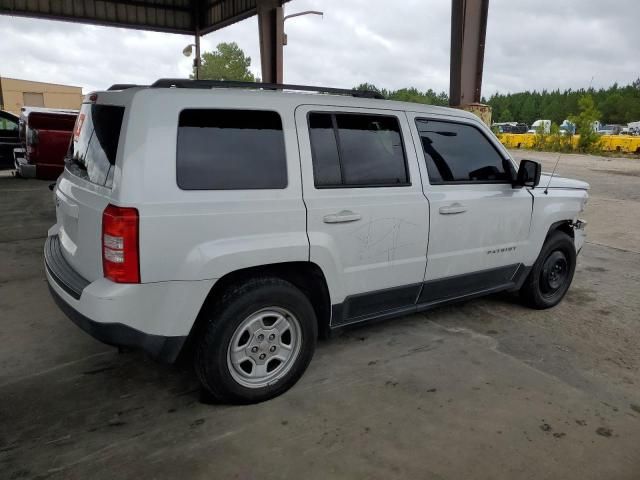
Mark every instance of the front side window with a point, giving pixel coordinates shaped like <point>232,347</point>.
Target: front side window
<point>357,150</point>
<point>460,153</point>
<point>230,150</point>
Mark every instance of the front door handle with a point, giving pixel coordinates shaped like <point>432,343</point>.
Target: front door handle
<point>342,217</point>
<point>453,209</point>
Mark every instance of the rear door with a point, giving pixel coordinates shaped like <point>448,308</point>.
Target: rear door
<point>84,190</point>
<point>367,218</point>
<point>479,222</point>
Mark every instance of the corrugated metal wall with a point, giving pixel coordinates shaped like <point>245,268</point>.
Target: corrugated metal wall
<point>177,16</point>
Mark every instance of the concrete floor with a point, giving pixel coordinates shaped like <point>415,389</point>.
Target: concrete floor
<point>484,389</point>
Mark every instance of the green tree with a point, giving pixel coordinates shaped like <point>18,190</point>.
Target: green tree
<point>227,62</point>
<point>589,139</point>
<point>370,87</point>
<point>529,112</point>
<point>410,94</point>
<point>505,115</point>
<point>614,108</point>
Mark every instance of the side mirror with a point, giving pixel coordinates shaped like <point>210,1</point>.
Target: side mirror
<point>528,174</point>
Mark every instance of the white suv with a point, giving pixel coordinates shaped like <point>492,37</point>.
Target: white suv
<point>246,222</point>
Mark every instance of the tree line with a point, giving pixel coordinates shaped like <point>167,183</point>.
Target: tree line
<point>616,104</point>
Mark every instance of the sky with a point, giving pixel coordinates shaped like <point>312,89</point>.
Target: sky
<point>531,44</point>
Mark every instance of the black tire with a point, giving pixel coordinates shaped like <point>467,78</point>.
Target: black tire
<point>225,318</point>
<point>552,273</point>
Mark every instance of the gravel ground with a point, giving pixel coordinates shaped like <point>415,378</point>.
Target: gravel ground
<point>483,389</point>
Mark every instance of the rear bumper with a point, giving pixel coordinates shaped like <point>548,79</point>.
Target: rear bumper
<point>163,349</point>
<point>23,168</point>
<point>154,317</point>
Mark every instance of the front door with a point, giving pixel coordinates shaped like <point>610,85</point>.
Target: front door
<point>479,222</point>
<point>367,217</point>
<point>8,138</point>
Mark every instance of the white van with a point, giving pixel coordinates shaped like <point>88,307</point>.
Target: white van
<point>540,126</point>
<point>247,221</point>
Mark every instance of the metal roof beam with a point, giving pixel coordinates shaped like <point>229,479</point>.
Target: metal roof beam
<point>468,32</point>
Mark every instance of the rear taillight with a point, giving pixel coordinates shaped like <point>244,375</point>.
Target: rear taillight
<point>120,258</point>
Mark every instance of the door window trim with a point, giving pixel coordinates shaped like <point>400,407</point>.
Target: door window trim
<point>464,182</point>
<point>334,124</point>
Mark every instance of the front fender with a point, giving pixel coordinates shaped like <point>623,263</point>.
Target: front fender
<point>559,205</point>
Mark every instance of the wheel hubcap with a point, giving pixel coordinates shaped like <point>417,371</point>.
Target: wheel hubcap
<point>264,347</point>
<point>555,271</point>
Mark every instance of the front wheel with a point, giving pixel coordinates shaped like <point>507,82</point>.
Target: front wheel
<point>258,342</point>
<point>552,273</point>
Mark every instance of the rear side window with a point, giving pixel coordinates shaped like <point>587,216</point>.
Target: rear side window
<point>458,153</point>
<point>357,150</point>
<point>230,150</point>
<point>93,148</point>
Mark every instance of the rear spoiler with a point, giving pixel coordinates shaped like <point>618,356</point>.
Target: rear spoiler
<point>124,86</point>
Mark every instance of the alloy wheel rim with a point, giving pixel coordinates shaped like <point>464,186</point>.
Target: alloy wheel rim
<point>264,347</point>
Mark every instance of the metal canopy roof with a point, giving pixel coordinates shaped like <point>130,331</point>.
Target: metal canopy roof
<point>173,16</point>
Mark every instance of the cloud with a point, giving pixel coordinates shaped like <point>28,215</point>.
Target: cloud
<point>531,44</point>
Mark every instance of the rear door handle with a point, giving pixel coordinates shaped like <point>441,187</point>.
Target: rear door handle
<point>453,209</point>
<point>342,217</point>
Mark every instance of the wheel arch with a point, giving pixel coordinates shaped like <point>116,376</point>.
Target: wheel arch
<point>307,276</point>
<point>562,226</point>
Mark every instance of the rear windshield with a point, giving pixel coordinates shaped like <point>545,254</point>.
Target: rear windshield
<point>92,152</point>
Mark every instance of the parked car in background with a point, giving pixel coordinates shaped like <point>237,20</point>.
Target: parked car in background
<point>45,135</point>
<point>502,127</point>
<point>241,223</point>
<point>567,128</point>
<point>520,128</point>
<point>610,130</point>
<point>9,138</point>
<point>543,125</point>
<point>509,127</point>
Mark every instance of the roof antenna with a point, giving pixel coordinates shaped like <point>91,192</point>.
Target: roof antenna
<point>546,190</point>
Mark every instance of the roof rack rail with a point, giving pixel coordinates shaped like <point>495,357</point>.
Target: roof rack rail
<point>186,83</point>
<point>123,86</point>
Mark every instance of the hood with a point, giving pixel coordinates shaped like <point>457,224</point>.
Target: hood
<point>561,182</point>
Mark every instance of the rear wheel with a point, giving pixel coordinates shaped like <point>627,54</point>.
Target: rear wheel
<point>552,273</point>
<point>258,342</point>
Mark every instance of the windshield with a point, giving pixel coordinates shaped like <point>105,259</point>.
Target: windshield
<point>93,148</point>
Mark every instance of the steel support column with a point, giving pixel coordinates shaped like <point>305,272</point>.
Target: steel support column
<point>468,32</point>
<point>270,26</point>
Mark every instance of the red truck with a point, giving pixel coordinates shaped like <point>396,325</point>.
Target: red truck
<point>45,134</point>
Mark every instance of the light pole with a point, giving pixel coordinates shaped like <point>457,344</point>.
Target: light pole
<point>306,12</point>
<point>188,50</point>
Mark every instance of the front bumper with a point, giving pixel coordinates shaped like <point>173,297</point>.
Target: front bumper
<point>579,234</point>
<point>154,317</point>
